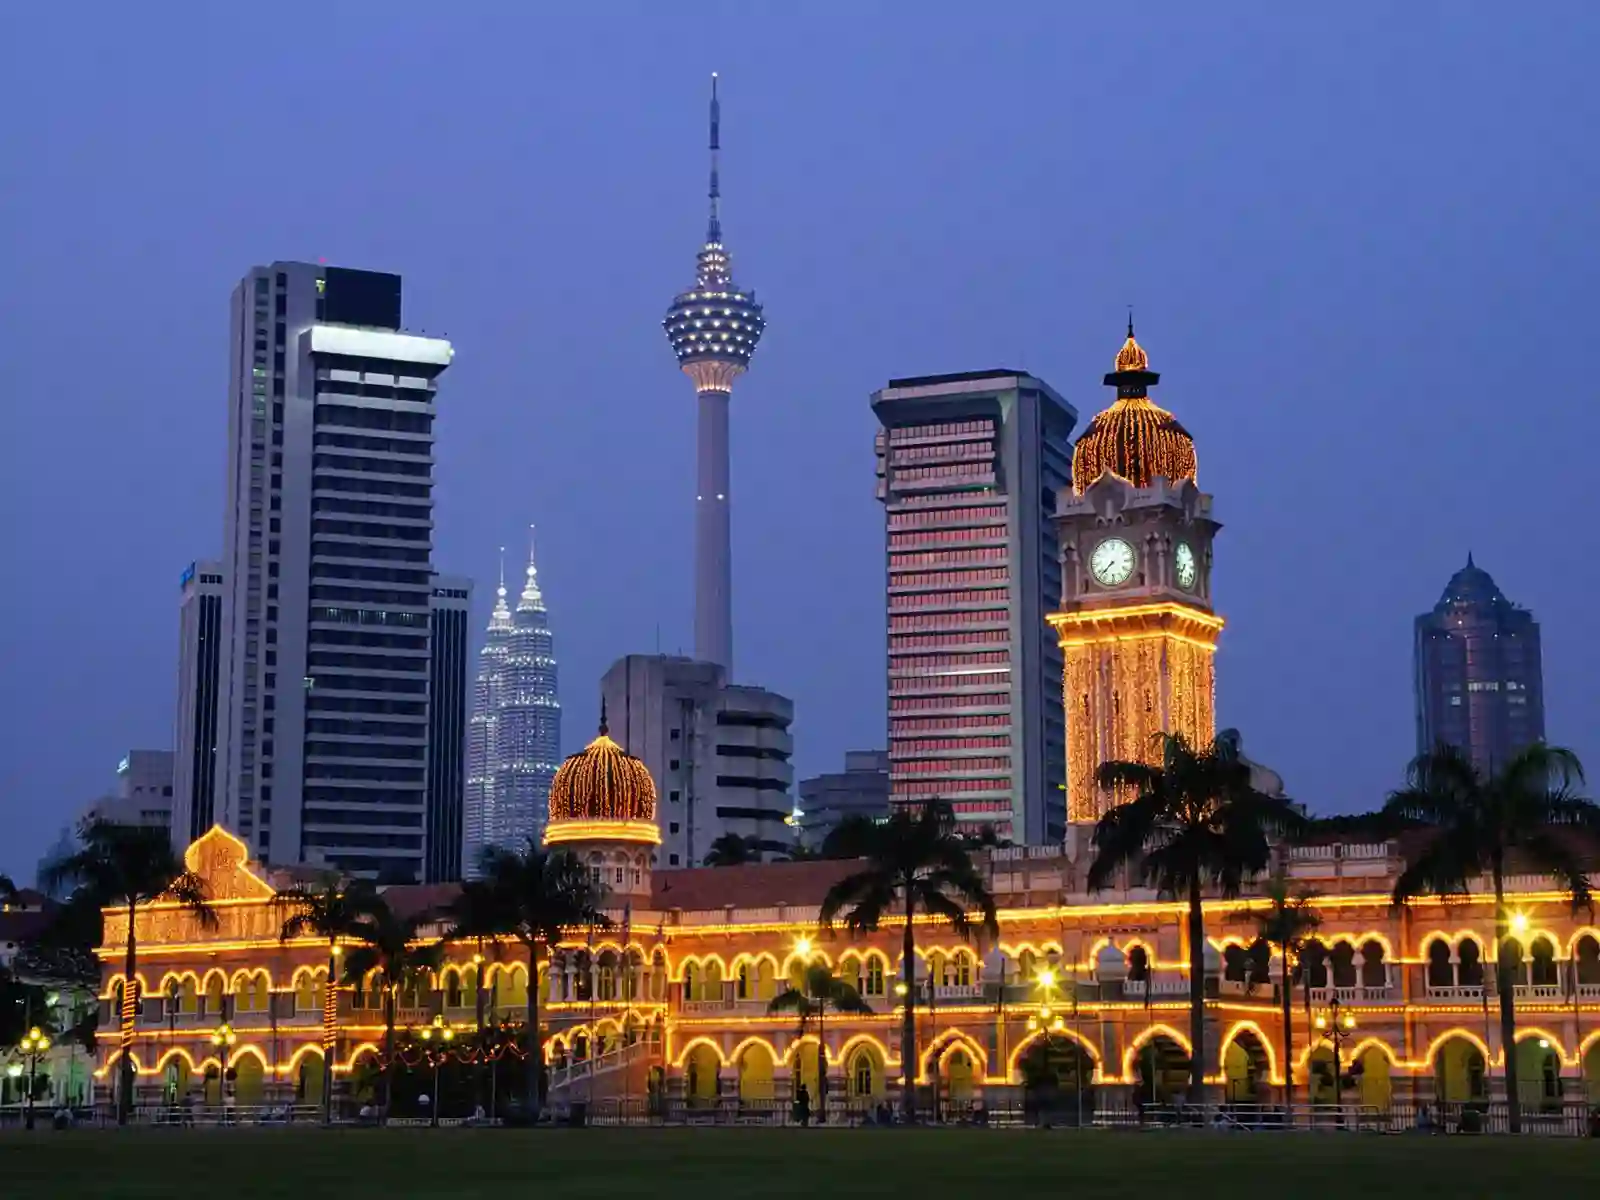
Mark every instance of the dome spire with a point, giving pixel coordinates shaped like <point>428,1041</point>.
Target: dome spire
<point>605,726</point>
<point>500,618</point>
<point>714,228</point>
<point>531,597</point>
<point>1135,438</point>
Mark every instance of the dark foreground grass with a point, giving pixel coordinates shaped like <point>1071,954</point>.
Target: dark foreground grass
<point>730,1164</point>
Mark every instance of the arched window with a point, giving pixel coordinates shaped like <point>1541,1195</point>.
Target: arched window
<point>1374,974</point>
<point>742,985</point>
<point>1516,962</point>
<point>691,980</point>
<point>1138,964</point>
<point>1314,964</point>
<point>1343,960</point>
<point>1587,953</point>
<point>963,970</point>
<point>1469,957</point>
<point>1543,966</point>
<point>874,976</point>
<point>452,989</point>
<point>1441,971</point>
<point>861,1074</point>
<point>1236,963</point>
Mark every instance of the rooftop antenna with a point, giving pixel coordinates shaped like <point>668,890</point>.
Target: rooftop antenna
<point>714,230</point>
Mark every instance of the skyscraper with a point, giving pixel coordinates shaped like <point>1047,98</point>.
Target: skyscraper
<point>1137,630</point>
<point>328,567</point>
<point>447,727</point>
<point>1479,672</point>
<point>968,470</point>
<point>194,739</point>
<point>713,328</point>
<point>514,741</point>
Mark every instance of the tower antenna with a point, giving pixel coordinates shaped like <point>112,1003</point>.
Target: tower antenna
<point>714,229</point>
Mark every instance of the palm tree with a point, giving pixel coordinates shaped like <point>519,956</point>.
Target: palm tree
<point>390,945</point>
<point>731,850</point>
<point>915,861</point>
<point>545,893</point>
<point>331,910</point>
<point>819,988</point>
<point>1478,820</point>
<point>124,866</point>
<point>480,913</point>
<point>1194,820</point>
<point>1287,923</point>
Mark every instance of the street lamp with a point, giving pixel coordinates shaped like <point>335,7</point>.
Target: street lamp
<point>33,1044</point>
<point>1335,1025</point>
<point>223,1038</point>
<point>444,1035</point>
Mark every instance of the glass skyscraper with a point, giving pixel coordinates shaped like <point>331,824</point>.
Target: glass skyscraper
<point>514,736</point>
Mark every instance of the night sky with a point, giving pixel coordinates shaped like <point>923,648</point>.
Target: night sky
<point>1360,243</point>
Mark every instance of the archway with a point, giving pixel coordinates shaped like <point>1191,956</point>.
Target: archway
<point>958,1081</point>
<point>701,1076</point>
<point>308,1079</point>
<point>1538,1073</point>
<point>1459,1072</point>
<point>864,1077</point>
<point>1246,1069</point>
<point>1319,1075</point>
<point>1591,1071</point>
<point>1057,1080</point>
<point>1163,1070</point>
<point>755,1064</point>
<point>1375,1086</point>
<point>249,1081</point>
<point>803,1067</point>
<point>175,1080</point>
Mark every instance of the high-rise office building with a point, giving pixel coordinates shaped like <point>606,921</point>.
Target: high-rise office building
<point>1479,672</point>
<point>194,740</point>
<point>713,328</point>
<point>143,794</point>
<point>328,568</point>
<point>968,470</point>
<point>514,741</point>
<point>720,753</point>
<point>447,727</point>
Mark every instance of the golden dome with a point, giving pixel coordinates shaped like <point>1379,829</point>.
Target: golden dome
<point>603,793</point>
<point>1132,356</point>
<point>1134,438</point>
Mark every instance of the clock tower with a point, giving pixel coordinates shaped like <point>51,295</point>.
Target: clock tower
<point>1136,626</point>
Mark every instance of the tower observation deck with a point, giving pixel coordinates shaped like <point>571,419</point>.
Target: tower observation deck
<point>714,328</point>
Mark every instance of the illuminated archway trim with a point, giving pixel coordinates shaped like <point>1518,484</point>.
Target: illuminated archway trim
<point>695,1043</point>
<point>941,1047</point>
<point>737,1054</point>
<point>1143,1038</point>
<point>1441,1040</point>
<point>1067,1034</point>
<point>856,1041</point>
<point>1536,1031</point>
<point>1274,1070</point>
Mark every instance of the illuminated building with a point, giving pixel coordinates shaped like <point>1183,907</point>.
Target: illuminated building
<point>1479,672</point>
<point>672,1001</point>
<point>714,328</point>
<point>194,782</point>
<point>968,469</point>
<point>1136,626</point>
<point>143,793</point>
<point>514,744</point>
<point>722,752</point>
<point>326,613</point>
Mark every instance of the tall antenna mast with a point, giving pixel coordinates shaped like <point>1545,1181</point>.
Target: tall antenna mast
<point>714,230</point>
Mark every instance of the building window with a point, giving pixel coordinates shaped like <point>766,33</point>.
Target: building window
<point>672,859</point>
<point>673,765</point>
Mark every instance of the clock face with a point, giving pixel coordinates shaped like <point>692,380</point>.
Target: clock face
<point>1184,560</point>
<point>1112,562</point>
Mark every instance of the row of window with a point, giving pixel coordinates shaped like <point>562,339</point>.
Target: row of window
<point>950,537</point>
<point>945,558</point>
<point>932,599</point>
<point>905,746</point>
<point>948,641</point>
<point>947,703</point>
<point>945,579</point>
<point>950,787</point>
<point>905,725</point>
<point>922,662</point>
<point>943,452</point>
<point>975,472</point>
<point>948,429</point>
<point>948,514</point>
<point>946,766</point>
<point>955,620</point>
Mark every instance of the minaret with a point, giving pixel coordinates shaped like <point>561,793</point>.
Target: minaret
<point>713,328</point>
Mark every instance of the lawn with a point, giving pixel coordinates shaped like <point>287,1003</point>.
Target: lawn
<point>313,1164</point>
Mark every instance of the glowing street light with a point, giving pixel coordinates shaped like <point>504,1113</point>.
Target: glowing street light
<point>223,1038</point>
<point>34,1043</point>
<point>444,1035</point>
<point>1335,1025</point>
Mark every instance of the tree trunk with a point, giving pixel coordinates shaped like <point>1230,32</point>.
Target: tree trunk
<point>330,1023</point>
<point>1287,989</point>
<point>482,1054</point>
<point>388,1045</point>
<point>535,1040</point>
<point>1197,995</point>
<point>908,1020</point>
<point>1506,986</point>
<point>125,1020</point>
<point>822,1061</point>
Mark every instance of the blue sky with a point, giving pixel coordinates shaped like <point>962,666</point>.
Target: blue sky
<point>1359,239</point>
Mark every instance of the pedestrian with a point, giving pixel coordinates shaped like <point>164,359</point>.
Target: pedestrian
<point>802,1106</point>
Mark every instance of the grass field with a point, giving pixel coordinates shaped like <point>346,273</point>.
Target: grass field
<point>718,1164</point>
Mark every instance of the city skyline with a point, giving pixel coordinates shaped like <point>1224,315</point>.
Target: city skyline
<point>1289,291</point>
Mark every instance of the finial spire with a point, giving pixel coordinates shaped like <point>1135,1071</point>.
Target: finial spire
<point>714,229</point>
<point>605,728</point>
<point>500,618</point>
<point>531,597</point>
<point>1469,558</point>
<point>1130,320</point>
<point>502,591</point>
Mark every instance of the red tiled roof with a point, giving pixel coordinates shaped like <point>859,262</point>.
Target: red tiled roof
<point>753,885</point>
<point>408,899</point>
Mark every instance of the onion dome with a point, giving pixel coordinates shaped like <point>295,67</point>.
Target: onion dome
<point>1134,438</point>
<point>602,794</point>
<point>714,326</point>
<point>1472,587</point>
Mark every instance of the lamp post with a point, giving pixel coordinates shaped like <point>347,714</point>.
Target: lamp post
<point>1051,1022</point>
<point>1335,1025</point>
<point>33,1044</point>
<point>440,1033</point>
<point>223,1038</point>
